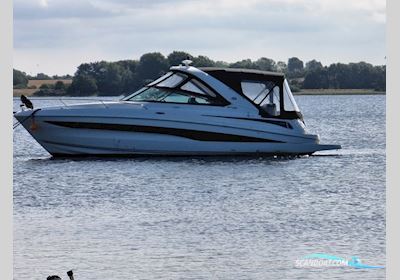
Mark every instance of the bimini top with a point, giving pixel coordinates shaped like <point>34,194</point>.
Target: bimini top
<point>242,71</point>
<point>258,87</point>
<point>233,77</point>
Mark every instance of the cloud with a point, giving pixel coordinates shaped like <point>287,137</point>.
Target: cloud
<point>43,3</point>
<point>56,9</point>
<point>340,30</point>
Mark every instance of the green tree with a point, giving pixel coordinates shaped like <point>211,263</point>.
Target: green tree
<point>221,64</point>
<point>19,78</point>
<point>83,85</point>
<point>59,85</point>
<point>42,76</point>
<point>340,76</point>
<point>295,67</point>
<point>109,79</point>
<point>46,86</point>
<point>126,76</point>
<point>316,79</point>
<point>151,66</point>
<point>203,61</point>
<point>63,77</point>
<point>265,64</point>
<point>281,67</point>
<point>129,80</point>
<point>313,65</point>
<point>363,74</point>
<point>245,63</point>
<point>128,64</point>
<point>379,81</point>
<point>176,57</point>
<point>112,78</point>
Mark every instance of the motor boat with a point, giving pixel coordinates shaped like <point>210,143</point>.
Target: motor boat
<point>187,111</point>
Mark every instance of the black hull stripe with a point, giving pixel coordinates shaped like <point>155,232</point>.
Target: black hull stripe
<point>280,123</point>
<point>186,133</point>
<point>187,122</point>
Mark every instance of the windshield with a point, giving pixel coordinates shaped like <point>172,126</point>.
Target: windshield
<point>177,88</point>
<point>289,102</point>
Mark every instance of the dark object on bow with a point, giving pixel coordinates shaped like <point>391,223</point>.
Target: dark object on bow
<point>26,102</point>
<point>70,275</point>
<point>53,277</point>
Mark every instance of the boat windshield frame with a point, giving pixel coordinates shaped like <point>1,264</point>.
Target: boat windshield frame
<point>214,98</point>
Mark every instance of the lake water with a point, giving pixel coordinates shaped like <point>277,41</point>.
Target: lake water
<point>213,218</point>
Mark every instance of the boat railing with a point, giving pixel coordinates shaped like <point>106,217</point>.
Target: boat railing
<point>62,100</point>
<point>69,101</point>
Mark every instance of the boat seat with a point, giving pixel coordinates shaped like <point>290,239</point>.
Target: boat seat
<point>192,100</point>
<point>270,109</point>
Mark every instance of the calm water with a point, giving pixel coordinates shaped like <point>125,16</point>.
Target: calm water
<point>216,218</point>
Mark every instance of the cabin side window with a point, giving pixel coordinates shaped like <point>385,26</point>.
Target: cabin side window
<point>197,87</point>
<point>172,81</point>
<point>160,79</point>
<point>272,103</point>
<point>265,94</point>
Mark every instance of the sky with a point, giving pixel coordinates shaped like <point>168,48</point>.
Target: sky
<point>55,36</point>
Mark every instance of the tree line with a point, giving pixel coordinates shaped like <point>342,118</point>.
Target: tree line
<point>20,79</point>
<point>126,76</point>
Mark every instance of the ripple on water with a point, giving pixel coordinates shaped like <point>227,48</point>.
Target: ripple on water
<point>202,218</point>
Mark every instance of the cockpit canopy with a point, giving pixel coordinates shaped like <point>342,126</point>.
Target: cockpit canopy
<point>268,92</point>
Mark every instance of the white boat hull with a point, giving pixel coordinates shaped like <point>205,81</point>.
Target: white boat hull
<point>186,112</point>
<point>67,134</point>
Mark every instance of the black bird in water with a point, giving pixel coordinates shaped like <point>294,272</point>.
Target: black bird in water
<point>26,102</point>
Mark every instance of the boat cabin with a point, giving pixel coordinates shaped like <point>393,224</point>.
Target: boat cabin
<point>269,92</point>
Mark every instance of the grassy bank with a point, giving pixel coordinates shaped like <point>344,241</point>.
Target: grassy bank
<point>34,85</point>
